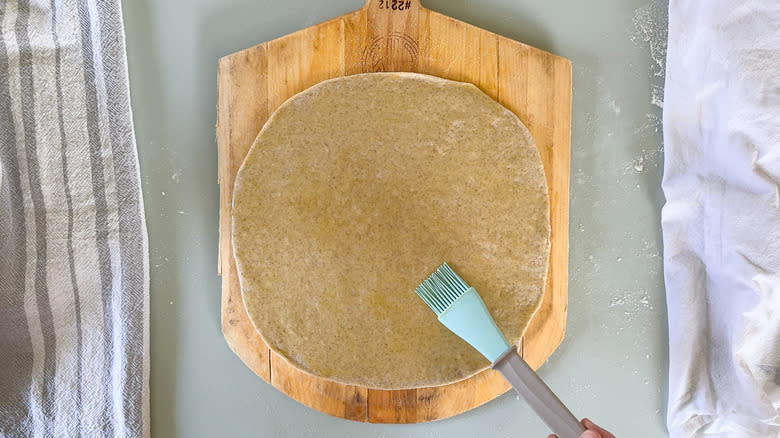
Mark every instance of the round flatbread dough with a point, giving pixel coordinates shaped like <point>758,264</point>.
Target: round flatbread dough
<point>354,191</point>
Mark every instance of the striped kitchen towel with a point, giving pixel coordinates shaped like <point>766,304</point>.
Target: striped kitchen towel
<point>74,307</point>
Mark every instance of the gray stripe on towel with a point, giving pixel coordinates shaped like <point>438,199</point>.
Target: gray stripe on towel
<point>69,203</point>
<point>15,343</point>
<point>101,209</point>
<point>27,87</point>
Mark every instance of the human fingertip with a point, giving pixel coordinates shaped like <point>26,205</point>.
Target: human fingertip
<point>590,434</point>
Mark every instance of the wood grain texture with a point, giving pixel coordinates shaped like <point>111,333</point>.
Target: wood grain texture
<point>242,111</point>
<point>394,36</point>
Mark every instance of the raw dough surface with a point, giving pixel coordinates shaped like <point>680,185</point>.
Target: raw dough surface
<point>358,188</point>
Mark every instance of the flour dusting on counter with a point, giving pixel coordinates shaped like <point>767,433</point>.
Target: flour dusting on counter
<point>650,28</point>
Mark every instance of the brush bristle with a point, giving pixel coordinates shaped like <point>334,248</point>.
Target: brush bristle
<point>441,289</point>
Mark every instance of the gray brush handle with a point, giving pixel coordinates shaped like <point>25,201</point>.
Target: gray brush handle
<point>542,400</point>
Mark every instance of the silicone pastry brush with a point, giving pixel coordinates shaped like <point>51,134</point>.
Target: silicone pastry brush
<point>460,308</point>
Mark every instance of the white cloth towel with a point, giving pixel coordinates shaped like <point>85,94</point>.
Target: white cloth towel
<point>721,222</point>
<point>74,278</point>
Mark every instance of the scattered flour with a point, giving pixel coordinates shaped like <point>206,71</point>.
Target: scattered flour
<point>653,123</point>
<point>647,159</point>
<point>580,177</point>
<point>657,95</point>
<point>633,301</point>
<point>650,28</point>
<point>639,164</point>
<point>617,301</point>
<point>614,107</point>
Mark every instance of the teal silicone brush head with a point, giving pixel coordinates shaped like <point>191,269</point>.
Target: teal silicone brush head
<point>441,289</point>
<point>460,308</point>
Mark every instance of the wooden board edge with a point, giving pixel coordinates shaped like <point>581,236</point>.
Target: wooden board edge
<point>501,38</point>
<point>235,325</point>
<point>550,332</point>
<point>298,33</point>
<point>563,78</point>
<point>223,145</point>
<point>349,402</point>
<point>421,405</point>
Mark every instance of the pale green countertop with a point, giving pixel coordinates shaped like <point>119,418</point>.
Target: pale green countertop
<point>612,363</point>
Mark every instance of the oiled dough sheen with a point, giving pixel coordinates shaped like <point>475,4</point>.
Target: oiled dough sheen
<point>359,187</point>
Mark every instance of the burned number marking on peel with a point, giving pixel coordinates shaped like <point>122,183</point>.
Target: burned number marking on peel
<point>395,5</point>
